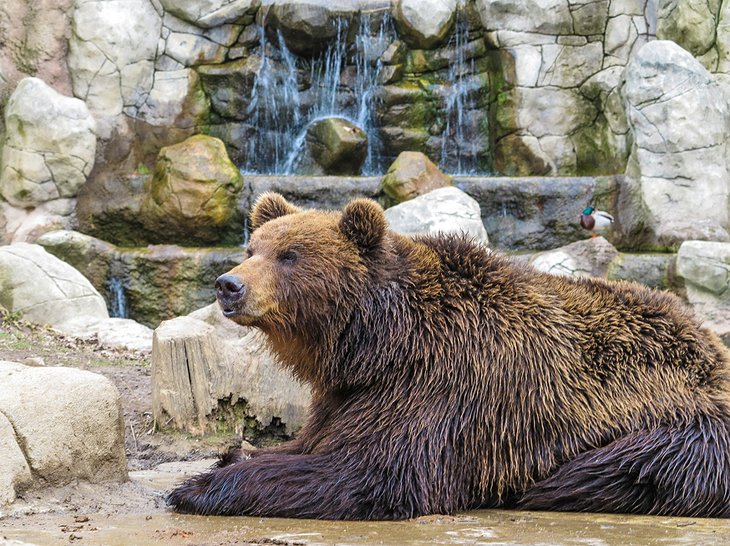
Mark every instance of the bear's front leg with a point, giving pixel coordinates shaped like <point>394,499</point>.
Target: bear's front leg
<point>299,486</point>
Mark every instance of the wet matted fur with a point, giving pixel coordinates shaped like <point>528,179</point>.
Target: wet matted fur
<point>446,377</point>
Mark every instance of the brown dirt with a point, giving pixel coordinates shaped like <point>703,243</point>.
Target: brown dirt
<point>146,447</point>
<point>130,371</point>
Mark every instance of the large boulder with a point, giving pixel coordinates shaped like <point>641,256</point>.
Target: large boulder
<point>44,289</point>
<point>334,146</point>
<point>410,175</point>
<point>47,290</point>
<point>424,24</point>
<point>704,267</point>
<point>210,374</point>
<point>148,284</point>
<point>445,210</point>
<point>67,422</point>
<point>211,13</point>
<point>192,198</point>
<point>677,178</point>
<point>49,145</point>
<point>588,258</point>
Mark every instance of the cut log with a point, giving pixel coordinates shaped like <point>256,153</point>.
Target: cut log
<point>185,357</point>
<point>212,375</point>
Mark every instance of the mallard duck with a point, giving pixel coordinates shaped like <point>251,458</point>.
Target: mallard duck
<point>595,220</point>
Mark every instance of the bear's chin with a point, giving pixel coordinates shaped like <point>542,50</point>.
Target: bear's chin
<point>237,316</point>
<point>243,320</point>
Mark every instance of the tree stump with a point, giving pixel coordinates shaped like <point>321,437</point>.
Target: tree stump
<point>185,361</point>
<point>212,375</point>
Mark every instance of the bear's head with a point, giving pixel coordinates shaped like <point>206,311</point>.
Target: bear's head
<point>304,269</point>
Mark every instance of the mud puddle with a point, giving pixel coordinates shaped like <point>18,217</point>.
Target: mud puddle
<point>134,514</point>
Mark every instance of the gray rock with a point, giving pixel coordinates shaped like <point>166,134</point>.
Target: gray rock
<point>323,192</point>
<point>410,175</point>
<point>589,258</point>
<point>334,146</point>
<point>308,26</point>
<point>692,24</point>
<point>704,266</point>
<point>678,182</point>
<point>445,210</point>
<point>49,146</point>
<point>47,290</point>
<point>192,197</point>
<point>21,225</point>
<point>15,473</point>
<point>653,270</point>
<point>152,284</point>
<point>44,289</point>
<point>538,16</point>
<point>69,422</point>
<point>112,333</point>
<point>424,24</point>
<point>211,13</point>
<point>537,213</point>
<point>231,86</point>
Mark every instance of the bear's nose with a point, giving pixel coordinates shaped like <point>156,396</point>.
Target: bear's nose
<point>229,288</point>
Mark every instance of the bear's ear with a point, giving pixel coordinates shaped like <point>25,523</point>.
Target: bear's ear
<point>268,206</point>
<point>364,223</point>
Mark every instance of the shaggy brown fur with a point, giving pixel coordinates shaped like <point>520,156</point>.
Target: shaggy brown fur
<point>446,377</point>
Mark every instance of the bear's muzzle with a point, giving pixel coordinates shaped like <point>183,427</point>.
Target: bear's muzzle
<point>229,290</point>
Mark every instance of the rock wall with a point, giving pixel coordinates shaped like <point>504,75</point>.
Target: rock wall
<point>534,87</point>
<point>558,108</point>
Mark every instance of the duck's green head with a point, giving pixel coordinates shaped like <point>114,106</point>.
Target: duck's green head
<point>588,211</point>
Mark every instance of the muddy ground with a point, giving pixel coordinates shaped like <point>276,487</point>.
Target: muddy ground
<point>135,513</point>
<point>146,448</point>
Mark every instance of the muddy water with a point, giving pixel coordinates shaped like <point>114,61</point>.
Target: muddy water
<point>481,527</point>
<point>90,519</point>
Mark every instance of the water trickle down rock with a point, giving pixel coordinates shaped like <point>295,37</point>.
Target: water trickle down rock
<point>334,146</point>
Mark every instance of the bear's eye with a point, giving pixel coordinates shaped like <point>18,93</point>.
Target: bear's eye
<point>247,253</point>
<point>288,258</point>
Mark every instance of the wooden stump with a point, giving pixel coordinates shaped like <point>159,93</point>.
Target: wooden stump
<point>212,375</point>
<point>186,363</point>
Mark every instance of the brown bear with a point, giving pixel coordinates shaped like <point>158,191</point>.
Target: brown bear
<point>447,377</point>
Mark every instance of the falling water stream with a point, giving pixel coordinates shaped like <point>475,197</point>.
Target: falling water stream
<point>291,92</point>
<point>117,298</point>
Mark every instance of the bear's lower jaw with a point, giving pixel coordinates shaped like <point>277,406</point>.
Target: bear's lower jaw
<point>228,312</point>
<point>241,320</point>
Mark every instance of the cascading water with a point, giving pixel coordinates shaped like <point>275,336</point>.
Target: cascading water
<point>290,93</point>
<point>459,153</point>
<point>116,298</point>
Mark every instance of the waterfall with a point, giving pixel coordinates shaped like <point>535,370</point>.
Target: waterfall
<point>459,150</point>
<point>291,92</point>
<point>116,297</point>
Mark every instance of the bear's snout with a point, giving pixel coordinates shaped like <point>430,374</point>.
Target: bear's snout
<point>229,289</point>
